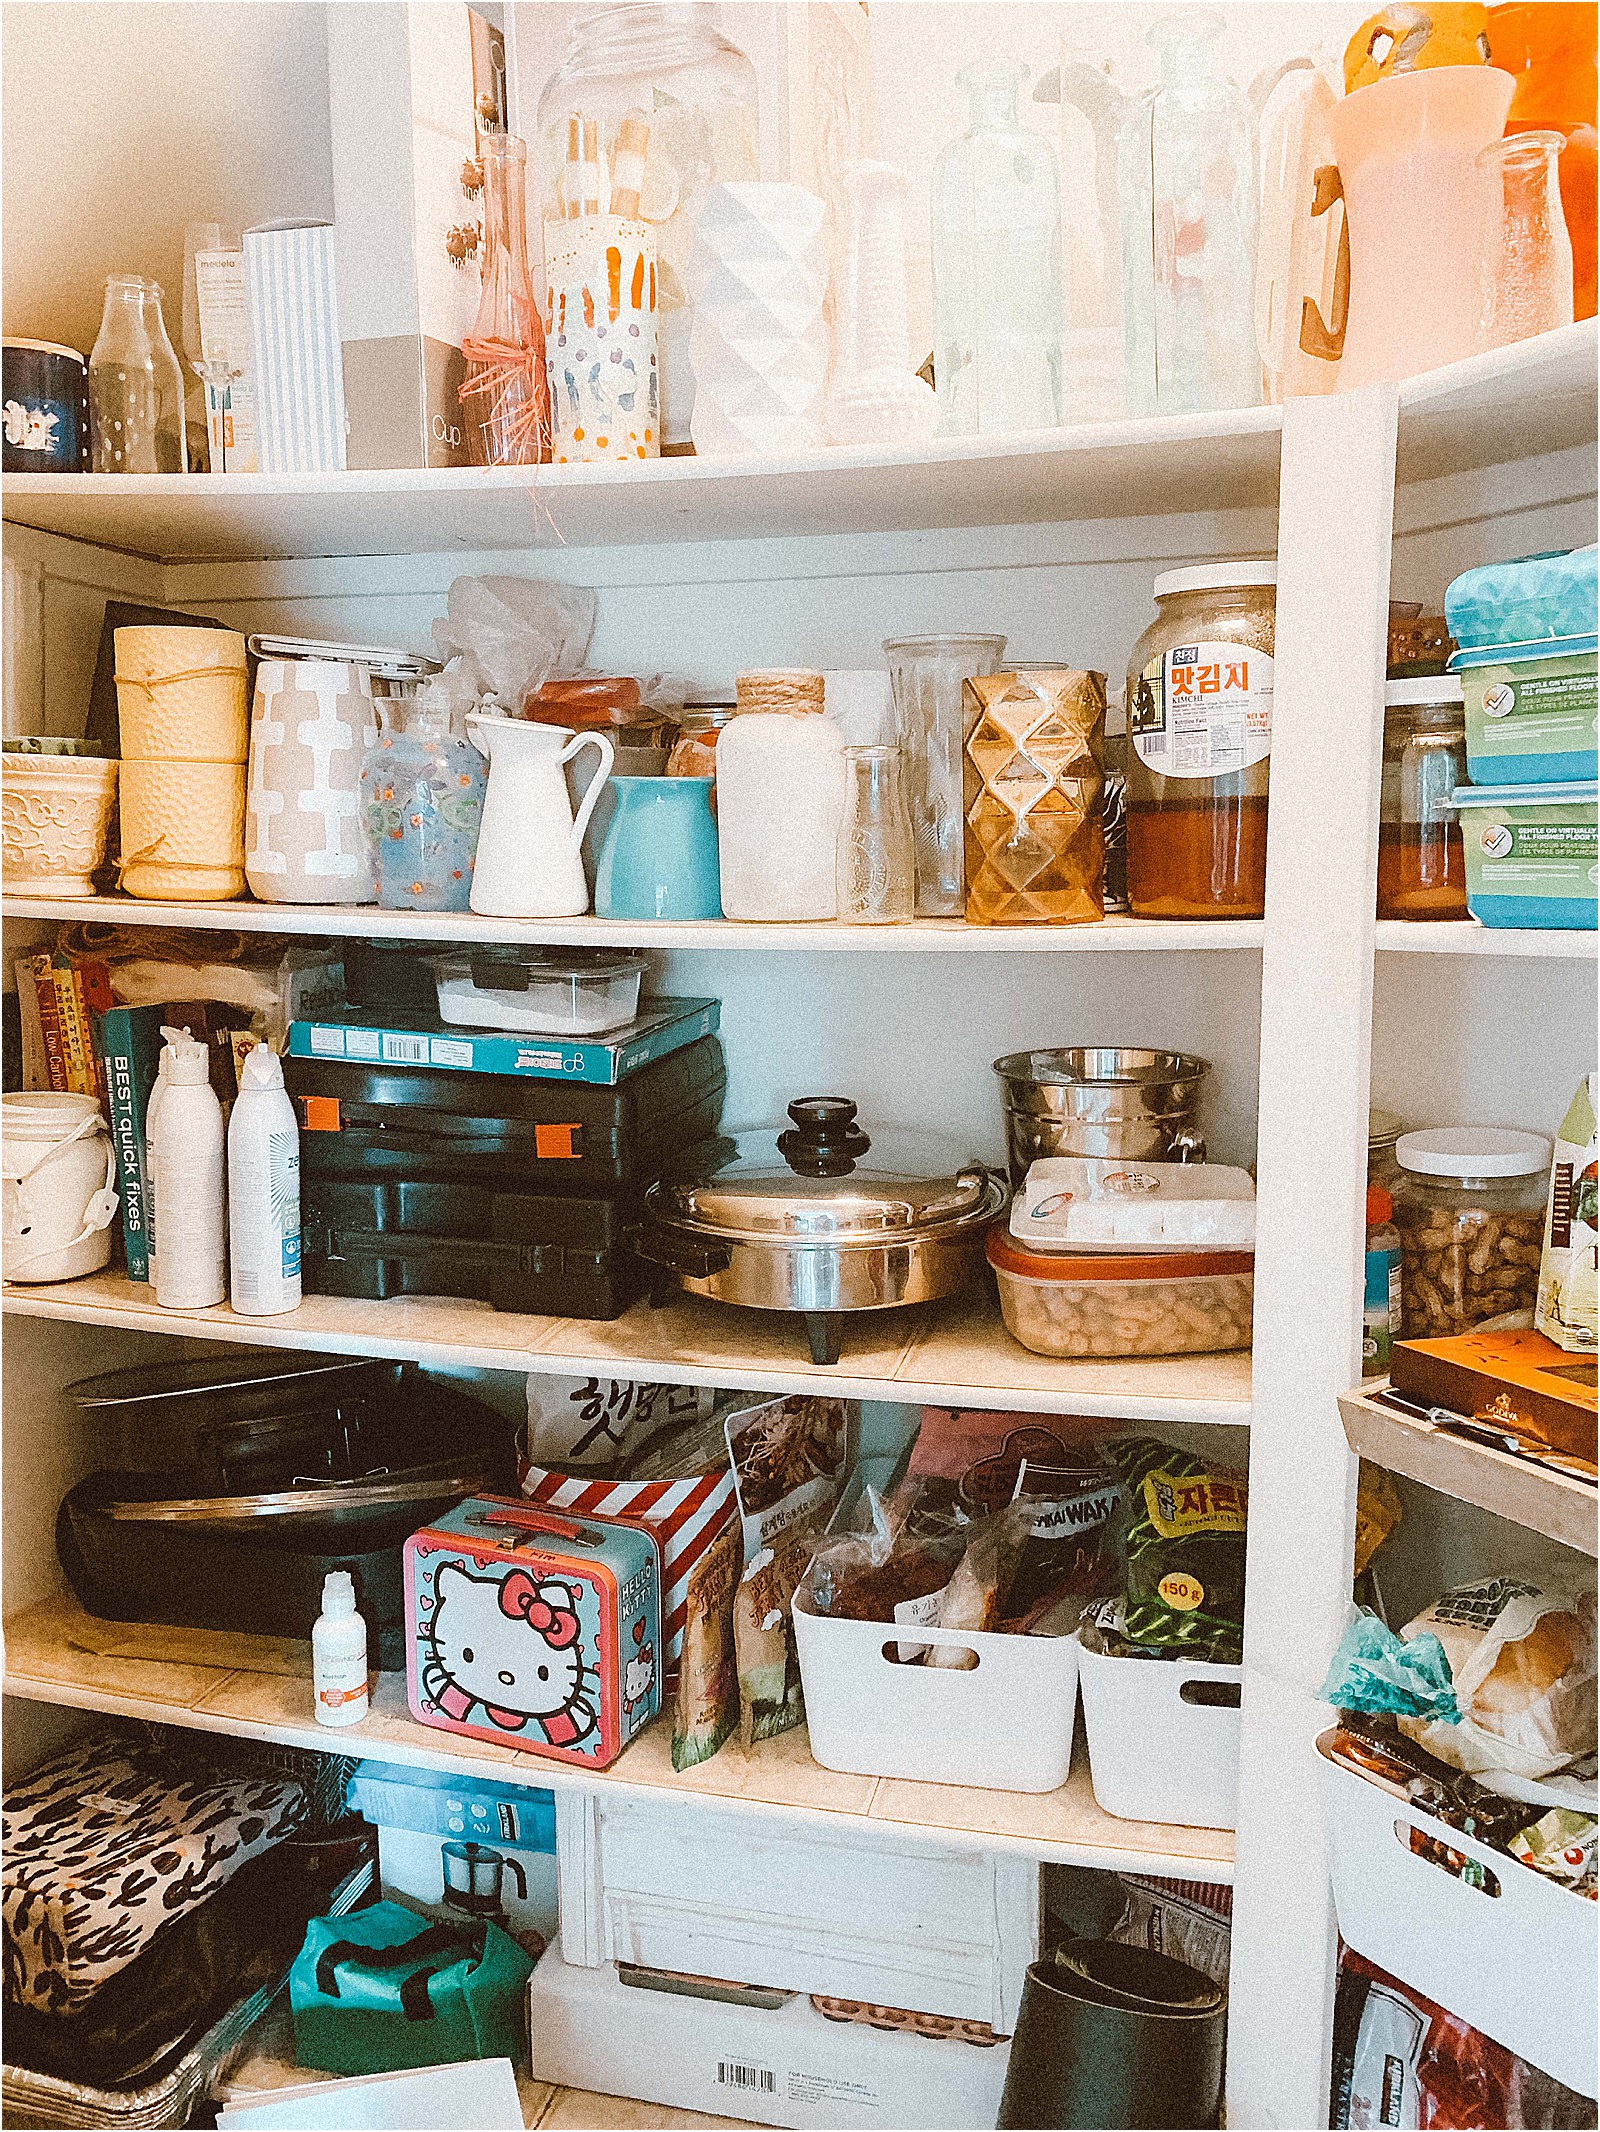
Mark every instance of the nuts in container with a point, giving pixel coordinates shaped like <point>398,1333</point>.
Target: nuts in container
<point>1150,1303</point>
<point>1469,1206</point>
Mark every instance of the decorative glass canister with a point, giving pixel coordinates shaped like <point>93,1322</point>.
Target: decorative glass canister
<point>422,788</point>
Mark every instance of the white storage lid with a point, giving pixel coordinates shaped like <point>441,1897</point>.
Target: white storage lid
<point>1217,577</point>
<point>1473,1151</point>
<point>1095,1204</point>
<point>1424,688</point>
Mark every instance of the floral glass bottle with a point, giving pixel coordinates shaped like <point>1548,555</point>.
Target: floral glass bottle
<point>505,396</point>
<point>135,385</point>
<point>422,787</point>
<point>997,314</point>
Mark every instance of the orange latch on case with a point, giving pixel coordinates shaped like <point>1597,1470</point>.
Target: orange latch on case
<point>322,1114</point>
<point>556,1143</point>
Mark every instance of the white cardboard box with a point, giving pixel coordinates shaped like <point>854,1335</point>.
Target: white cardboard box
<point>783,2066</point>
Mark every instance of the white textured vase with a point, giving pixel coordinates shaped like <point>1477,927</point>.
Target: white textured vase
<point>876,397</point>
<point>759,344</point>
<point>311,725</point>
<point>55,811</point>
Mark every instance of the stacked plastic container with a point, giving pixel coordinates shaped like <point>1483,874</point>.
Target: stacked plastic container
<point>1527,636</point>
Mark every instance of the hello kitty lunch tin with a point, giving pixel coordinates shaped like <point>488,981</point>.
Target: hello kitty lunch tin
<point>534,1630</point>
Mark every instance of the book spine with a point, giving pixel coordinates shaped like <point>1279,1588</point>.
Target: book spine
<point>50,1022</point>
<point>127,1134</point>
<point>94,991</point>
<point>74,1037</point>
<point>35,1065</point>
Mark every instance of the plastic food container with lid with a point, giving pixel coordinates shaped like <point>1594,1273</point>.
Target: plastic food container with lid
<point>1079,1304</point>
<point>1526,632</point>
<point>1076,1203</point>
<point>549,992</point>
<point>1199,700</point>
<point>1469,1206</point>
<point>1531,854</point>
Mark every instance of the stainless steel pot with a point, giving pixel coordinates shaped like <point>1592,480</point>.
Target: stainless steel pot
<point>803,1220</point>
<point>1118,1101</point>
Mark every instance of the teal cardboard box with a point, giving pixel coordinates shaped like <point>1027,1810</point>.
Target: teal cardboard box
<point>383,1989</point>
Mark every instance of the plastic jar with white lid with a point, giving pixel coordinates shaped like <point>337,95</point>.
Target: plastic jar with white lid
<point>1199,734</point>
<point>1469,1206</point>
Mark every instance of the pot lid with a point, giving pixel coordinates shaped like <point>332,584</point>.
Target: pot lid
<point>823,1179</point>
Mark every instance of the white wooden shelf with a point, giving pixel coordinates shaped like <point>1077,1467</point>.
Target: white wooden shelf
<point>923,936</point>
<point>256,1687</point>
<point>1525,400</point>
<point>1542,1498</point>
<point>955,1353</point>
<point>1400,936</point>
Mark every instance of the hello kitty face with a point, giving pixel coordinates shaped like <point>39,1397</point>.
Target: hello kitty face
<point>511,1645</point>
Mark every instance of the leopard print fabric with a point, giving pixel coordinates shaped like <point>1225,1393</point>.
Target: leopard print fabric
<point>108,1843</point>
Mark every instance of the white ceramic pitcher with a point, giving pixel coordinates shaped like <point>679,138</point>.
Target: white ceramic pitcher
<point>530,862</point>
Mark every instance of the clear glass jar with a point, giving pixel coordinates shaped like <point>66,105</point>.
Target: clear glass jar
<point>877,876</point>
<point>135,385</point>
<point>1421,865</point>
<point>694,752</point>
<point>1199,711</point>
<point>1469,1206</point>
<point>672,66</point>
<point>1383,1135</point>
<point>926,675</point>
<point>996,268</point>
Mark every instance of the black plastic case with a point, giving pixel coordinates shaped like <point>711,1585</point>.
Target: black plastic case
<point>419,1126</point>
<point>556,1254</point>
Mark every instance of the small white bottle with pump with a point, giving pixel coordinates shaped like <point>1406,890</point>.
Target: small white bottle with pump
<point>187,1150</point>
<point>339,1654</point>
<point>263,1191</point>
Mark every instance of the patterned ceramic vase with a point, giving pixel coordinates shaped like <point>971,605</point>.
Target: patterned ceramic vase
<point>600,339</point>
<point>758,275</point>
<point>312,723</point>
<point>422,790</point>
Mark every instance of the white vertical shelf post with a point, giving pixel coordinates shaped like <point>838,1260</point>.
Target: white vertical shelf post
<point>1335,521</point>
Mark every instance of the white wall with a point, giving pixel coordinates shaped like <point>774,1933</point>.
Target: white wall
<point>124,119</point>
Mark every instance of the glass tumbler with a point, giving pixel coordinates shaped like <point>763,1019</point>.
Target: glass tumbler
<point>135,385</point>
<point>926,674</point>
<point>1527,259</point>
<point>876,866</point>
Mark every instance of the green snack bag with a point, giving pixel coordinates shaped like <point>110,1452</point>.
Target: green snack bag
<point>706,1706</point>
<point>1184,1540</point>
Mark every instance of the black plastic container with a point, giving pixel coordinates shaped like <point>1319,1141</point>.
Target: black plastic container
<point>555,1254</point>
<point>46,408</point>
<point>1112,2036</point>
<point>416,1125</point>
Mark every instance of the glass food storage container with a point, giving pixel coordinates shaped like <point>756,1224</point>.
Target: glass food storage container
<point>1383,1133</point>
<point>1200,731</point>
<point>694,752</point>
<point>1144,1303</point>
<point>549,992</point>
<point>1469,1206</point>
<point>671,67</point>
<point>1421,866</point>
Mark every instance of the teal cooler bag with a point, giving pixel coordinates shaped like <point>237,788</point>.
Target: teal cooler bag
<point>383,1989</point>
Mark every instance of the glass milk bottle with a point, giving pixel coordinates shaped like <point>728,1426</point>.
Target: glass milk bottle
<point>135,385</point>
<point>997,312</point>
<point>780,800</point>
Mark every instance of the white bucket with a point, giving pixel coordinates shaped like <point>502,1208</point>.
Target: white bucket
<point>59,1173</point>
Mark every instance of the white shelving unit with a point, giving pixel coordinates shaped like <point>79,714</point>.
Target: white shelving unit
<point>705,567</point>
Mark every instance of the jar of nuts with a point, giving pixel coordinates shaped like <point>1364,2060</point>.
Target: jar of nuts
<point>1469,1206</point>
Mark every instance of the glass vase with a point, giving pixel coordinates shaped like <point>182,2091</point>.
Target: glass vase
<point>1526,283</point>
<point>505,395</point>
<point>997,312</point>
<point>926,674</point>
<point>422,787</point>
<point>135,385</point>
<point>877,875</point>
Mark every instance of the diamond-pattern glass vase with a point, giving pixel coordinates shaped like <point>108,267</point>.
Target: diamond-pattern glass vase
<point>1035,847</point>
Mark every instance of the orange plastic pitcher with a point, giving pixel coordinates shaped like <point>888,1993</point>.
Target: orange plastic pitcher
<point>1417,209</point>
<point>1549,45</point>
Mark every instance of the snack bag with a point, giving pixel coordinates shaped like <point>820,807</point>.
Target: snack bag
<point>789,1458</point>
<point>1184,1525</point>
<point>1567,1310</point>
<point>769,1669</point>
<point>1522,1666</point>
<point>706,1706</point>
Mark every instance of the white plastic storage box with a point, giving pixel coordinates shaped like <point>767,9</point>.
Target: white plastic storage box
<point>783,2065</point>
<point>849,1913</point>
<point>1515,1958</point>
<point>1004,1724</point>
<point>1163,1738</point>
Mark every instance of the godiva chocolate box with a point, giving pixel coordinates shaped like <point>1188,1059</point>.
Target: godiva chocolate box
<point>1518,1378</point>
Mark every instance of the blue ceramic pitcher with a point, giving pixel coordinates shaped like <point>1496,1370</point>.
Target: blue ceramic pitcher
<point>658,858</point>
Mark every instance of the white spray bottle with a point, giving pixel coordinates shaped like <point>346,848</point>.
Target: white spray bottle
<point>263,1191</point>
<point>192,1270</point>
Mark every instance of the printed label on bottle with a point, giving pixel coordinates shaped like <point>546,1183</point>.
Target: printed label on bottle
<point>1203,710</point>
<point>917,1613</point>
<point>342,1683</point>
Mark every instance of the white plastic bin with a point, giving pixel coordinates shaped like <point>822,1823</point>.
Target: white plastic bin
<point>1005,1724</point>
<point>1519,1964</point>
<point>1163,1738</point>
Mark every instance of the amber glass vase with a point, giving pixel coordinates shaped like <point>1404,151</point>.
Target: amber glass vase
<point>1034,782</point>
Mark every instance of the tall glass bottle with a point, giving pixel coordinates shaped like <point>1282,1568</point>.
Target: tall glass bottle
<point>135,385</point>
<point>996,268</point>
<point>505,395</point>
<point>1526,266</point>
<point>1186,175</point>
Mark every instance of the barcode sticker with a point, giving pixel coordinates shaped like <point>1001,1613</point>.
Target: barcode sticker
<point>758,2079</point>
<point>404,1050</point>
